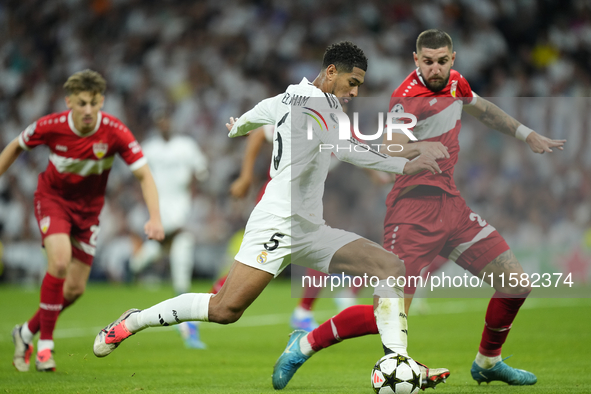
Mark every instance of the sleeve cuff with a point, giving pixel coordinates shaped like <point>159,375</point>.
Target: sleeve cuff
<point>138,163</point>
<point>21,142</point>
<point>474,99</point>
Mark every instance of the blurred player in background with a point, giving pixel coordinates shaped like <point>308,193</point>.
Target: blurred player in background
<point>426,216</point>
<point>70,194</point>
<point>175,160</point>
<point>269,243</point>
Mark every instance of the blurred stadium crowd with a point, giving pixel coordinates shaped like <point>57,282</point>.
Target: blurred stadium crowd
<point>209,60</point>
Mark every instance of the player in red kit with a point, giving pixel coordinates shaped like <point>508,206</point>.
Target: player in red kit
<point>427,217</point>
<point>70,194</point>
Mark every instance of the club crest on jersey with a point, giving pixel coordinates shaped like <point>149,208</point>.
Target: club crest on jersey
<point>454,86</point>
<point>262,258</point>
<point>100,149</point>
<point>44,224</point>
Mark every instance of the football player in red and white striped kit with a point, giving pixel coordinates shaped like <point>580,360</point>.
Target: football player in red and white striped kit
<point>70,194</point>
<point>427,217</point>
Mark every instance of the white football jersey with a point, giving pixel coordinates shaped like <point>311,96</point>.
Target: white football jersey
<point>174,163</point>
<point>299,166</point>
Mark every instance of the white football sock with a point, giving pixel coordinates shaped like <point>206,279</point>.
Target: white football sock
<point>487,362</point>
<point>43,344</point>
<point>26,334</point>
<point>186,307</point>
<point>181,262</point>
<point>390,317</point>
<point>305,346</point>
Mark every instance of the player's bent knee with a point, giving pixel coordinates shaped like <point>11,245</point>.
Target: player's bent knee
<point>222,313</point>
<point>389,265</point>
<point>514,289</point>
<point>227,316</point>
<point>58,268</point>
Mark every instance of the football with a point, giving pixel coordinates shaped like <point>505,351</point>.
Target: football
<point>397,374</point>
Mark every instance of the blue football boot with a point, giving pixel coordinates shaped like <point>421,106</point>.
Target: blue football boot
<point>503,373</point>
<point>290,360</point>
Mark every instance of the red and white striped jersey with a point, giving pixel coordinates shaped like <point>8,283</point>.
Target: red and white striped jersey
<point>438,119</point>
<point>79,164</point>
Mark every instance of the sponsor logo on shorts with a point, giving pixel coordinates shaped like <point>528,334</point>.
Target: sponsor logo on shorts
<point>44,224</point>
<point>262,258</point>
<point>100,149</point>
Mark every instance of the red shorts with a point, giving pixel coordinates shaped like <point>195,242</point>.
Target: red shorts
<point>426,222</point>
<point>55,216</point>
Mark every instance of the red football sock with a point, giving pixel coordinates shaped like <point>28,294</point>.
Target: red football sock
<point>218,284</point>
<point>352,322</point>
<point>52,298</point>
<point>35,323</point>
<point>499,317</point>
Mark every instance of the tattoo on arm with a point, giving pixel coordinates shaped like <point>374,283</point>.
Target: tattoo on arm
<point>495,118</point>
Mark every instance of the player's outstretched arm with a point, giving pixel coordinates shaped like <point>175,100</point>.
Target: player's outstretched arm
<point>262,114</point>
<point>492,116</point>
<point>153,227</point>
<point>254,142</point>
<point>9,155</point>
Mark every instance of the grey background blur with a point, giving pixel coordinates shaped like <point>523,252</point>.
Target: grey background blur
<point>209,60</point>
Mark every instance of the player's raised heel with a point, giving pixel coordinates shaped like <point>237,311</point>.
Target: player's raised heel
<point>44,361</point>
<point>112,335</point>
<point>290,360</point>
<point>504,373</point>
<point>431,377</point>
<point>22,351</point>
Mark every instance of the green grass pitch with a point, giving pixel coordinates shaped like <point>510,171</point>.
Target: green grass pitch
<point>550,337</point>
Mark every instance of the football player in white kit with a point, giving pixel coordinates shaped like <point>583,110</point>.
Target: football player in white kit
<point>175,160</point>
<point>287,223</point>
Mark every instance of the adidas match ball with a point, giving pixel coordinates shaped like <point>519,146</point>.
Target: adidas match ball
<point>396,374</point>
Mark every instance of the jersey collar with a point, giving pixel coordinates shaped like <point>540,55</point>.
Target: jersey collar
<point>99,118</point>
<point>306,82</point>
<point>420,76</point>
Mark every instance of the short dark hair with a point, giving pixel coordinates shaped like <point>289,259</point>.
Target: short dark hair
<point>344,55</point>
<point>85,81</point>
<point>434,39</point>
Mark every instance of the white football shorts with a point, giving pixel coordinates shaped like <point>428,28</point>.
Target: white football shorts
<point>271,243</point>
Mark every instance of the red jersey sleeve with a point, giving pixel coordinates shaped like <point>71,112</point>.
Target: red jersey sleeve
<point>465,91</point>
<point>32,136</point>
<point>129,149</point>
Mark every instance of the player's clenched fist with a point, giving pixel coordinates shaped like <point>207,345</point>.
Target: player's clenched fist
<point>421,163</point>
<point>154,230</point>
